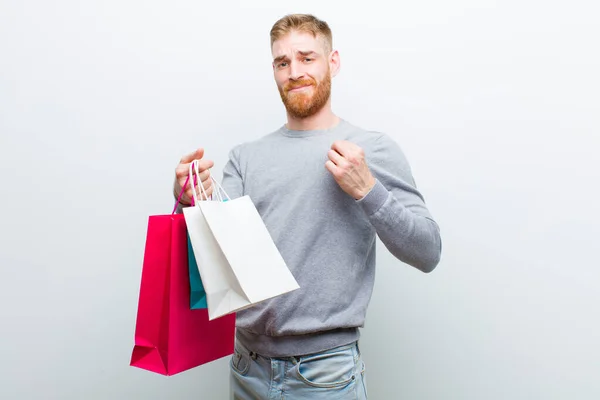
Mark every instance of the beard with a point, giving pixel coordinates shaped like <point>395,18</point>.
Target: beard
<point>302,104</point>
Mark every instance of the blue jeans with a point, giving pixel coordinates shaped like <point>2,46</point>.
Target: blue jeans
<point>334,374</point>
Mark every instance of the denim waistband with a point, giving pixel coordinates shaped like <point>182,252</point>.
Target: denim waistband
<point>297,345</point>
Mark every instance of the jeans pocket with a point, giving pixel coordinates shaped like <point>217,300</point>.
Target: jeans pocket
<point>328,369</point>
<point>240,361</point>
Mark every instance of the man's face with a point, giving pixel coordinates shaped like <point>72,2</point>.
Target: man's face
<point>302,73</point>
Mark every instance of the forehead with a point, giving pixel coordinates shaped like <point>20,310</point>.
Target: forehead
<point>295,42</point>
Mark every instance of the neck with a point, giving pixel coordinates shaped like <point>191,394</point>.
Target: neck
<point>324,119</point>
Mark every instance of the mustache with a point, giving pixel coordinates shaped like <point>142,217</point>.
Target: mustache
<point>296,84</point>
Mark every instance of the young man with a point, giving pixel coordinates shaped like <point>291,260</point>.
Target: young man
<point>324,188</point>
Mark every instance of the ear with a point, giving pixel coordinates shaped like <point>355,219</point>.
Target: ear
<point>334,62</point>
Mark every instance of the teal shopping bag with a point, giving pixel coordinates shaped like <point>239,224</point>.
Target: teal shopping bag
<point>197,293</point>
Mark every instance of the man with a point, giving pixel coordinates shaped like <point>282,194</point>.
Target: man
<point>324,188</point>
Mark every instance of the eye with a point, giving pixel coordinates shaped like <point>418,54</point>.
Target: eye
<point>307,59</point>
<point>282,64</point>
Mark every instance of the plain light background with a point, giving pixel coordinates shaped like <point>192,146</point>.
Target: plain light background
<point>495,104</point>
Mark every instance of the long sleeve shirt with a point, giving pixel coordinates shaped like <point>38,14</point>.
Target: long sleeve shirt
<point>326,237</point>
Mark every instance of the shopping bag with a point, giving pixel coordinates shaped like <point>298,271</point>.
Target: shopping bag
<point>170,337</point>
<point>237,259</point>
<point>197,292</point>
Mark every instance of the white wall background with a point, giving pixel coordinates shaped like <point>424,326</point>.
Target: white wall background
<point>495,103</point>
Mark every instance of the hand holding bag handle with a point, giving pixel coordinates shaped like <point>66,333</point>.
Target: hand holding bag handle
<point>217,188</point>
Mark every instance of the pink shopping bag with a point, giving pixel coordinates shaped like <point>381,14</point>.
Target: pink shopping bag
<point>170,337</point>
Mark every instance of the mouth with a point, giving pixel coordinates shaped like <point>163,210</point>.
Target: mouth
<point>299,88</point>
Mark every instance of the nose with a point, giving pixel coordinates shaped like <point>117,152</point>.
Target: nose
<point>296,71</point>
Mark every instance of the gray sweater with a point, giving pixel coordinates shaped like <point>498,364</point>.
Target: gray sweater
<point>325,236</point>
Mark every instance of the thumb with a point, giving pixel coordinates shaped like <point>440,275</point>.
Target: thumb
<point>196,155</point>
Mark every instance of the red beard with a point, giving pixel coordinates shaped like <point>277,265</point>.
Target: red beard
<point>302,104</point>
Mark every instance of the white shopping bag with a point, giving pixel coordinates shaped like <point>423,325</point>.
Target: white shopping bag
<point>237,259</point>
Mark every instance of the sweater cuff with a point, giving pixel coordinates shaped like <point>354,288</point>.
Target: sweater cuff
<point>373,200</point>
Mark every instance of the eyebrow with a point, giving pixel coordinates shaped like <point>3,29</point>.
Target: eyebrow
<point>307,53</point>
<point>302,53</point>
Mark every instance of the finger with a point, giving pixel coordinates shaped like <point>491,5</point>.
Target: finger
<point>186,185</point>
<point>196,187</point>
<point>183,170</point>
<point>203,176</point>
<point>331,167</point>
<point>199,194</point>
<point>208,189</point>
<point>204,194</point>
<point>347,149</point>
<point>196,155</point>
<point>189,193</point>
<point>206,184</point>
<point>341,146</point>
<point>336,157</point>
<point>203,165</point>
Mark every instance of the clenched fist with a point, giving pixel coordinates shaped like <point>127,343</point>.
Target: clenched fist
<point>349,168</point>
<point>182,172</point>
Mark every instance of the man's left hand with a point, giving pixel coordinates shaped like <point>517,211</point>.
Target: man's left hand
<point>349,168</point>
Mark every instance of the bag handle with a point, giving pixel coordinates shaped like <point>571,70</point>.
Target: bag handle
<point>183,191</point>
<point>194,199</point>
<point>218,189</point>
<point>194,168</point>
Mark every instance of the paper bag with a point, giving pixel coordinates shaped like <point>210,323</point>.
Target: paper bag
<point>170,337</point>
<point>237,259</point>
<point>197,292</point>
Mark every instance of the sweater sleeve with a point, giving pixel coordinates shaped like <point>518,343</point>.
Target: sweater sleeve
<point>397,209</point>
<point>232,182</point>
